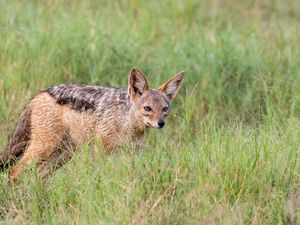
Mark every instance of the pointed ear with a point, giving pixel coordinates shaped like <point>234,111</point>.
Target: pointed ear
<point>137,83</point>
<point>171,87</point>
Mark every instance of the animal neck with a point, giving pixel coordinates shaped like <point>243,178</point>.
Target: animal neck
<point>133,125</point>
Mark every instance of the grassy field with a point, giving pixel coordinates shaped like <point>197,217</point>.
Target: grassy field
<point>230,151</point>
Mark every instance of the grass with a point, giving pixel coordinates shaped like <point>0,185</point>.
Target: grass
<point>230,151</point>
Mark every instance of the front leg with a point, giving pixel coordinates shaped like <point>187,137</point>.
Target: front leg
<point>140,144</point>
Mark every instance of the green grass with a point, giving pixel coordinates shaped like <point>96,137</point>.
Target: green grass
<point>230,151</point>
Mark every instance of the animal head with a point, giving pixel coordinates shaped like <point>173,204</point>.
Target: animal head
<point>152,106</point>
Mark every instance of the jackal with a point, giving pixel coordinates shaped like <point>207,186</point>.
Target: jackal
<point>72,114</point>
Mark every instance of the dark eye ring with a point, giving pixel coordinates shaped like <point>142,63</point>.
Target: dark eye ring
<point>165,109</point>
<point>147,108</point>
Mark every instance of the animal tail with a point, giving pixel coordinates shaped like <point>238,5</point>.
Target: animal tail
<point>17,141</point>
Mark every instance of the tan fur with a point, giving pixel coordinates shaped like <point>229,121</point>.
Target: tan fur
<point>55,125</point>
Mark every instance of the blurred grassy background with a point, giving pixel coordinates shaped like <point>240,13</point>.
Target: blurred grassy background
<point>229,154</point>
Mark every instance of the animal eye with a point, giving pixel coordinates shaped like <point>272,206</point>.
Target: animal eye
<point>165,109</point>
<point>147,108</point>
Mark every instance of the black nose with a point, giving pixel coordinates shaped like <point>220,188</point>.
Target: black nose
<point>161,123</point>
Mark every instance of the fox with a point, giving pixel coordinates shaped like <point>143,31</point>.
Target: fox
<point>58,118</point>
